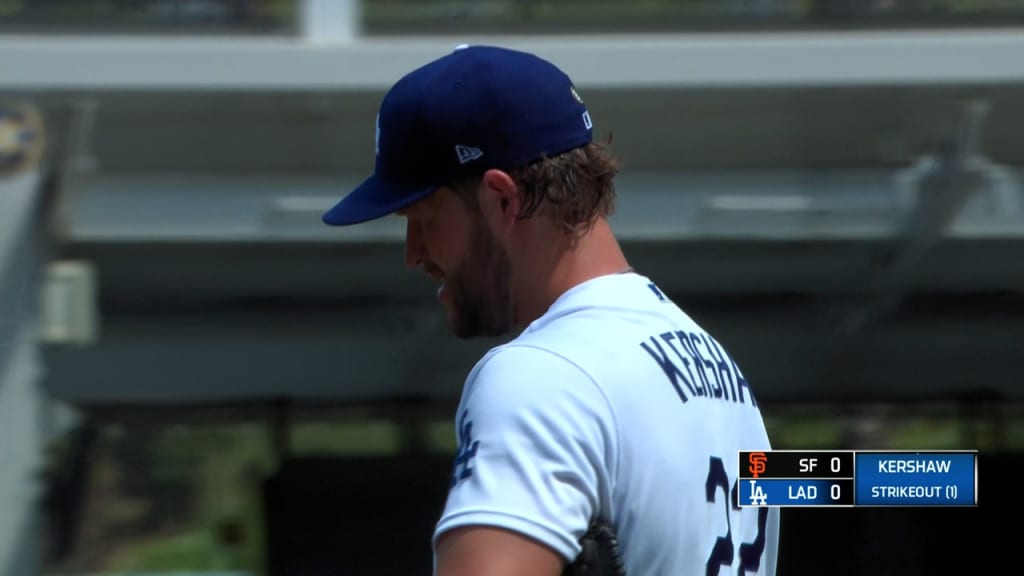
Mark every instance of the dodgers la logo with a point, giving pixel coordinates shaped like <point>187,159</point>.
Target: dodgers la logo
<point>462,469</point>
<point>757,495</point>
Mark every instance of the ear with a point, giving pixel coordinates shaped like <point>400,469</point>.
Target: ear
<point>500,201</point>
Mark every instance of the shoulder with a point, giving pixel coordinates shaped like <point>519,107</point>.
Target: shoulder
<point>522,367</point>
<point>519,384</point>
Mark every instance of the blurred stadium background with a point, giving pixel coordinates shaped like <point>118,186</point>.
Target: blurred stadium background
<point>197,377</point>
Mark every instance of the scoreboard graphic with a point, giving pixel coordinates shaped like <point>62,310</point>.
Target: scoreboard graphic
<point>847,478</point>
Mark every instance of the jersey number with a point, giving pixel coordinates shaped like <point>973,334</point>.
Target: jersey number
<point>722,553</point>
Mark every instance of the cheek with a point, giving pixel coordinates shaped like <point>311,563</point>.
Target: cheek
<point>440,244</point>
<point>447,241</point>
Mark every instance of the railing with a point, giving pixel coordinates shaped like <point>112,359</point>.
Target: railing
<point>284,17</point>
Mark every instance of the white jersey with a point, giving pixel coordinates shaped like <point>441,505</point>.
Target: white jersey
<point>614,404</point>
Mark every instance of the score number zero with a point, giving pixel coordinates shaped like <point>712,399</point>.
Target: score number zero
<point>809,464</point>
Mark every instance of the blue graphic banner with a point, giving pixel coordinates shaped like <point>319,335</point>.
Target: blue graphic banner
<point>916,478</point>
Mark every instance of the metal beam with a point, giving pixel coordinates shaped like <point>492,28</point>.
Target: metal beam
<point>20,264</point>
<point>21,401</point>
<point>940,192</point>
<point>770,59</point>
<point>768,204</point>
<point>959,173</point>
<point>254,273</point>
<point>364,354</point>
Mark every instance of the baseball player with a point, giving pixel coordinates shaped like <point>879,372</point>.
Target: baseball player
<point>611,417</point>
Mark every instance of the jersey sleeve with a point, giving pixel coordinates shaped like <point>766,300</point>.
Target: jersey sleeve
<point>536,441</point>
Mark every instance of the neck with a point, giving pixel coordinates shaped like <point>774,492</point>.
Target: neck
<point>555,263</point>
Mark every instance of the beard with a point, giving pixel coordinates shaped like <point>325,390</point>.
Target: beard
<point>481,298</point>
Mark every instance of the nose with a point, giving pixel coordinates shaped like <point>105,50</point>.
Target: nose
<point>415,250</point>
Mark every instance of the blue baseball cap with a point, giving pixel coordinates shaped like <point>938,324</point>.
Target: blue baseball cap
<point>476,108</point>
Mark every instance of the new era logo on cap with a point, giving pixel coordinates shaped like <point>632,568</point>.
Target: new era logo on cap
<point>467,153</point>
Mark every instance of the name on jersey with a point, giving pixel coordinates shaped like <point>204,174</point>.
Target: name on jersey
<point>697,366</point>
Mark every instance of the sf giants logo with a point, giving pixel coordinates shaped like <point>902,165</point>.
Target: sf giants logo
<point>757,461</point>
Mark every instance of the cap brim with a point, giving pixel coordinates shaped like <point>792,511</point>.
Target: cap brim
<point>373,199</point>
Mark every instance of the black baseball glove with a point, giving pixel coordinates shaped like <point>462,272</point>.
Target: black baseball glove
<point>600,555</point>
